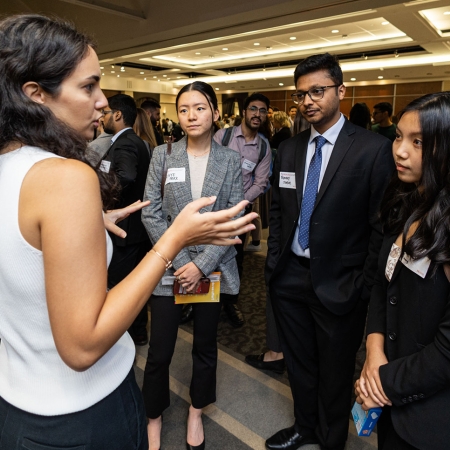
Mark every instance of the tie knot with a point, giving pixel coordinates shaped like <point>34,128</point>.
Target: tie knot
<point>320,142</point>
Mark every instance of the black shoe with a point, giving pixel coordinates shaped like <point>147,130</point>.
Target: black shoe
<point>288,439</point>
<point>234,314</point>
<point>258,362</point>
<point>187,314</point>
<point>139,339</point>
<point>196,447</point>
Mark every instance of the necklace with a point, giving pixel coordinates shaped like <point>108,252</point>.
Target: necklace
<point>197,156</point>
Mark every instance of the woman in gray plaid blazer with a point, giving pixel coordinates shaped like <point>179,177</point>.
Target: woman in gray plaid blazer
<point>197,167</point>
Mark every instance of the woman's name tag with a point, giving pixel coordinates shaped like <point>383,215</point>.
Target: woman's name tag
<point>176,175</point>
<point>287,180</point>
<point>248,165</point>
<point>418,266</point>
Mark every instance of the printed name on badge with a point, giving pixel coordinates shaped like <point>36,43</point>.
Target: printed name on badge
<point>176,175</point>
<point>104,166</point>
<point>287,180</point>
<point>248,165</point>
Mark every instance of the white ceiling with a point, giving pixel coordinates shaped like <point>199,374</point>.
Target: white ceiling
<point>242,46</point>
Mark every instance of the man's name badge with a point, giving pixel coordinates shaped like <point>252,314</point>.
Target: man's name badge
<point>248,165</point>
<point>418,266</point>
<point>176,175</point>
<point>105,166</point>
<point>287,180</point>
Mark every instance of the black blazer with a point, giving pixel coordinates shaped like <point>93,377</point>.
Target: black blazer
<point>345,234</point>
<point>130,159</point>
<point>414,315</point>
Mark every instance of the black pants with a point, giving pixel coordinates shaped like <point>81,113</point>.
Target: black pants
<point>165,318</point>
<point>320,349</point>
<point>388,439</point>
<point>123,261</point>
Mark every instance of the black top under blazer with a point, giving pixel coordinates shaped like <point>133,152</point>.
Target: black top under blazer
<point>345,234</point>
<point>414,315</point>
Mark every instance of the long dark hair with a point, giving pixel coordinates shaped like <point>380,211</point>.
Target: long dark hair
<point>360,115</point>
<point>207,91</point>
<point>428,203</point>
<point>46,51</point>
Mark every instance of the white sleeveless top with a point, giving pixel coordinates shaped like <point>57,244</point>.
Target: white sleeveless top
<point>33,376</point>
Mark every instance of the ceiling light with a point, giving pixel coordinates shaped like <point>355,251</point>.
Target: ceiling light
<point>225,49</point>
<point>197,53</point>
<point>447,13</point>
<point>293,38</point>
<point>101,67</point>
<point>155,76</point>
<point>145,78</point>
<point>168,78</point>
<point>103,74</point>
<point>352,79</point>
<point>118,76</point>
<point>280,84</point>
<point>256,43</point>
<point>113,71</point>
<point>112,66</point>
<point>217,89</point>
<point>380,77</point>
<point>385,23</point>
<point>178,78</point>
<point>381,68</point>
<point>335,31</point>
<point>142,73</point>
<point>164,76</point>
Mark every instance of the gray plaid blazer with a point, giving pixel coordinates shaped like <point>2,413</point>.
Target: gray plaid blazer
<point>223,178</point>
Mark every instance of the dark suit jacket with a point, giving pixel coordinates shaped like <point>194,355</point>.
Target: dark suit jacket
<point>130,159</point>
<point>414,315</point>
<point>345,235</point>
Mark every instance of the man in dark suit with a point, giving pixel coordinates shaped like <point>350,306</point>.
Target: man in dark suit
<point>153,110</point>
<point>129,158</point>
<point>322,253</point>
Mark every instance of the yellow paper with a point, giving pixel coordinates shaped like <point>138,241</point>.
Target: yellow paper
<point>212,296</point>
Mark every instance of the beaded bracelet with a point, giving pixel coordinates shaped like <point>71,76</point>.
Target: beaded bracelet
<point>167,262</point>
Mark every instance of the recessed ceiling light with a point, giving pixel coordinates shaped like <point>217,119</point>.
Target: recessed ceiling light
<point>447,13</point>
<point>164,76</point>
<point>197,53</point>
<point>113,71</point>
<point>118,76</point>
<point>225,49</point>
<point>352,79</point>
<point>256,43</point>
<point>112,66</point>
<point>155,76</point>
<point>178,78</point>
<point>168,78</point>
<point>335,31</point>
<point>280,84</point>
<point>103,74</point>
<point>142,73</point>
<point>101,67</point>
<point>145,78</point>
<point>385,23</point>
<point>292,38</point>
<point>380,77</point>
<point>217,89</point>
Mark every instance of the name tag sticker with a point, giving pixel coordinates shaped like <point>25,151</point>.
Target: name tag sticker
<point>105,166</point>
<point>248,165</point>
<point>176,175</point>
<point>287,180</point>
<point>419,266</point>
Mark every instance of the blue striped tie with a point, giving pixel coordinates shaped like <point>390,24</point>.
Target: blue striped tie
<point>310,194</point>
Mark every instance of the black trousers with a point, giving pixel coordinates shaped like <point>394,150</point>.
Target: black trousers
<point>319,348</point>
<point>123,261</point>
<point>388,439</point>
<point>165,318</point>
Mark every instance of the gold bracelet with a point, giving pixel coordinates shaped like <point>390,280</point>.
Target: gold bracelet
<point>167,262</point>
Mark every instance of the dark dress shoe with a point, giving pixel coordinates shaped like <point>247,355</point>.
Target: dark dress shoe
<point>187,313</point>
<point>196,447</point>
<point>139,339</point>
<point>234,314</point>
<point>258,362</point>
<point>288,439</point>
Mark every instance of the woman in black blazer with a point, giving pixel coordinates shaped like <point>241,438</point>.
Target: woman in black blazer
<point>407,370</point>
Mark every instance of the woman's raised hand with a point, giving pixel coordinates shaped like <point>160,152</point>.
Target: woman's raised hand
<point>217,228</point>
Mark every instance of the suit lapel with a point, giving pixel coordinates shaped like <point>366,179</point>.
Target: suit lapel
<point>341,147</point>
<point>178,159</point>
<point>215,174</point>
<point>300,163</point>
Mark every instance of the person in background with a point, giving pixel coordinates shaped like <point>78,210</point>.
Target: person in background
<point>153,109</point>
<point>300,123</point>
<point>292,115</point>
<point>360,115</point>
<point>407,370</point>
<point>206,169</point>
<point>143,128</point>
<point>256,157</point>
<point>66,376</point>
<point>382,123</point>
<point>99,146</point>
<point>237,121</point>
<point>282,129</point>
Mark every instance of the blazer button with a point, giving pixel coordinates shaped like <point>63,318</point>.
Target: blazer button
<point>404,400</point>
<point>410,399</point>
<point>421,396</point>
<point>415,397</point>
<point>169,218</point>
<point>393,300</point>
<point>392,336</point>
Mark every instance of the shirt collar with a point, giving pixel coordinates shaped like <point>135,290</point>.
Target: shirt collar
<point>331,134</point>
<point>113,139</point>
